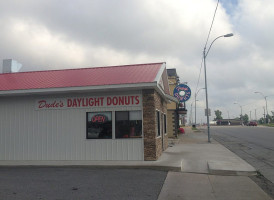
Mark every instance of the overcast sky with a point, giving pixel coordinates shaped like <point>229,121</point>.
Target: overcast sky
<point>62,34</point>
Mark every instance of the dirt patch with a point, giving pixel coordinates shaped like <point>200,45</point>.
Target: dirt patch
<point>264,183</point>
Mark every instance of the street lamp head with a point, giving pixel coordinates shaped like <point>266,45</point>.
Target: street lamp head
<point>228,35</point>
<point>261,94</point>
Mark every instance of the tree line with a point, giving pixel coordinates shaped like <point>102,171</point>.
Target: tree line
<point>245,118</point>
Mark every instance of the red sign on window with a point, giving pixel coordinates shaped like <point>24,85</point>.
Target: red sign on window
<point>99,118</point>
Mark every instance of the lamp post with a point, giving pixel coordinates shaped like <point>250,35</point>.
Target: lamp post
<point>241,111</point>
<point>205,53</point>
<point>250,115</point>
<point>195,101</point>
<point>228,114</point>
<point>265,105</point>
<point>190,119</point>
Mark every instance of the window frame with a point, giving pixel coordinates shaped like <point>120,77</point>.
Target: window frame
<point>87,125</point>
<point>165,123</point>
<point>128,116</point>
<point>158,123</point>
<point>113,124</point>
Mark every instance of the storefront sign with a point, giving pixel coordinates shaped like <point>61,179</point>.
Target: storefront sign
<point>182,92</point>
<point>86,102</point>
<point>99,118</point>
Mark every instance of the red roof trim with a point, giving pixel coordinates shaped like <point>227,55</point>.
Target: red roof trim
<point>83,77</point>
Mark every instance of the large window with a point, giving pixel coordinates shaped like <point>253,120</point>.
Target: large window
<point>128,124</point>
<point>99,125</point>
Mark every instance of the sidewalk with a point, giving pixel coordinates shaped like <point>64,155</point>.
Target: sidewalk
<point>209,171</point>
<point>198,156</point>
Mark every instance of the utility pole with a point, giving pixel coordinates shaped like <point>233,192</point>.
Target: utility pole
<point>250,116</point>
<point>264,115</point>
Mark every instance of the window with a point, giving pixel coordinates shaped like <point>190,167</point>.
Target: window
<point>99,125</point>
<point>128,124</point>
<point>158,123</point>
<point>165,125</point>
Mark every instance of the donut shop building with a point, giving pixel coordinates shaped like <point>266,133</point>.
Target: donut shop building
<point>88,114</point>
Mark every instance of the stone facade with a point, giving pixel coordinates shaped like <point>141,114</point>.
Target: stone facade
<point>173,118</point>
<point>154,145</point>
<point>172,121</point>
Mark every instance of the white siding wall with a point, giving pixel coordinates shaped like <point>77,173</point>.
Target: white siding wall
<point>29,134</point>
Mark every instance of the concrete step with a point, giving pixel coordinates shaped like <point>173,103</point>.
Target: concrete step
<point>231,168</point>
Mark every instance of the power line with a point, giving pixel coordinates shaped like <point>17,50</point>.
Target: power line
<point>211,24</point>
<point>199,76</point>
<point>206,43</point>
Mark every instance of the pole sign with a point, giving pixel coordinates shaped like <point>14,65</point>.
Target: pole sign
<point>208,112</point>
<point>182,92</point>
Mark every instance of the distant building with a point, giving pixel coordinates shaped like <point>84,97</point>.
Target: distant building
<point>175,112</point>
<point>227,122</point>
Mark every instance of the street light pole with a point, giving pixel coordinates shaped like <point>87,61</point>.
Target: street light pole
<point>266,117</point>
<point>191,111</point>
<point>190,117</point>
<point>195,102</point>
<point>241,111</point>
<point>205,53</point>
<point>250,116</point>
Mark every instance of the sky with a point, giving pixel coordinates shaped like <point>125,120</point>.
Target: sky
<point>46,35</point>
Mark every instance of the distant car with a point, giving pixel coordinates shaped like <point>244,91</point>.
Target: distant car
<point>252,124</point>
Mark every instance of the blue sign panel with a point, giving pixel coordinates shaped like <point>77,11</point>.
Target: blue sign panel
<point>182,92</point>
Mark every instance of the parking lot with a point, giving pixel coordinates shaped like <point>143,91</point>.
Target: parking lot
<point>64,183</point>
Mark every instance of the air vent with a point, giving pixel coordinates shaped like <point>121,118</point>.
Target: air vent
<point>11,66</point>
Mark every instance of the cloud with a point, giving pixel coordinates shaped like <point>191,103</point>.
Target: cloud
<point>67,34</point>
<point>36,45</point>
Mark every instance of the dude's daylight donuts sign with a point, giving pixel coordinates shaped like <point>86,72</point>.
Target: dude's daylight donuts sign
<point>86,102</point>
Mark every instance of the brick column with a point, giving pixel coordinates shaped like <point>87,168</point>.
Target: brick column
<point>149,123</point>
<point>153,145</point>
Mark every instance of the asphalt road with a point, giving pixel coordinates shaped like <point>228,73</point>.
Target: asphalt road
<point>65,183</point>
<point>253,144</point>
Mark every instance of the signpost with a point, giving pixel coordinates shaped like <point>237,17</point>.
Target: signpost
<point>208,112</point>
<point>182,92</point>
